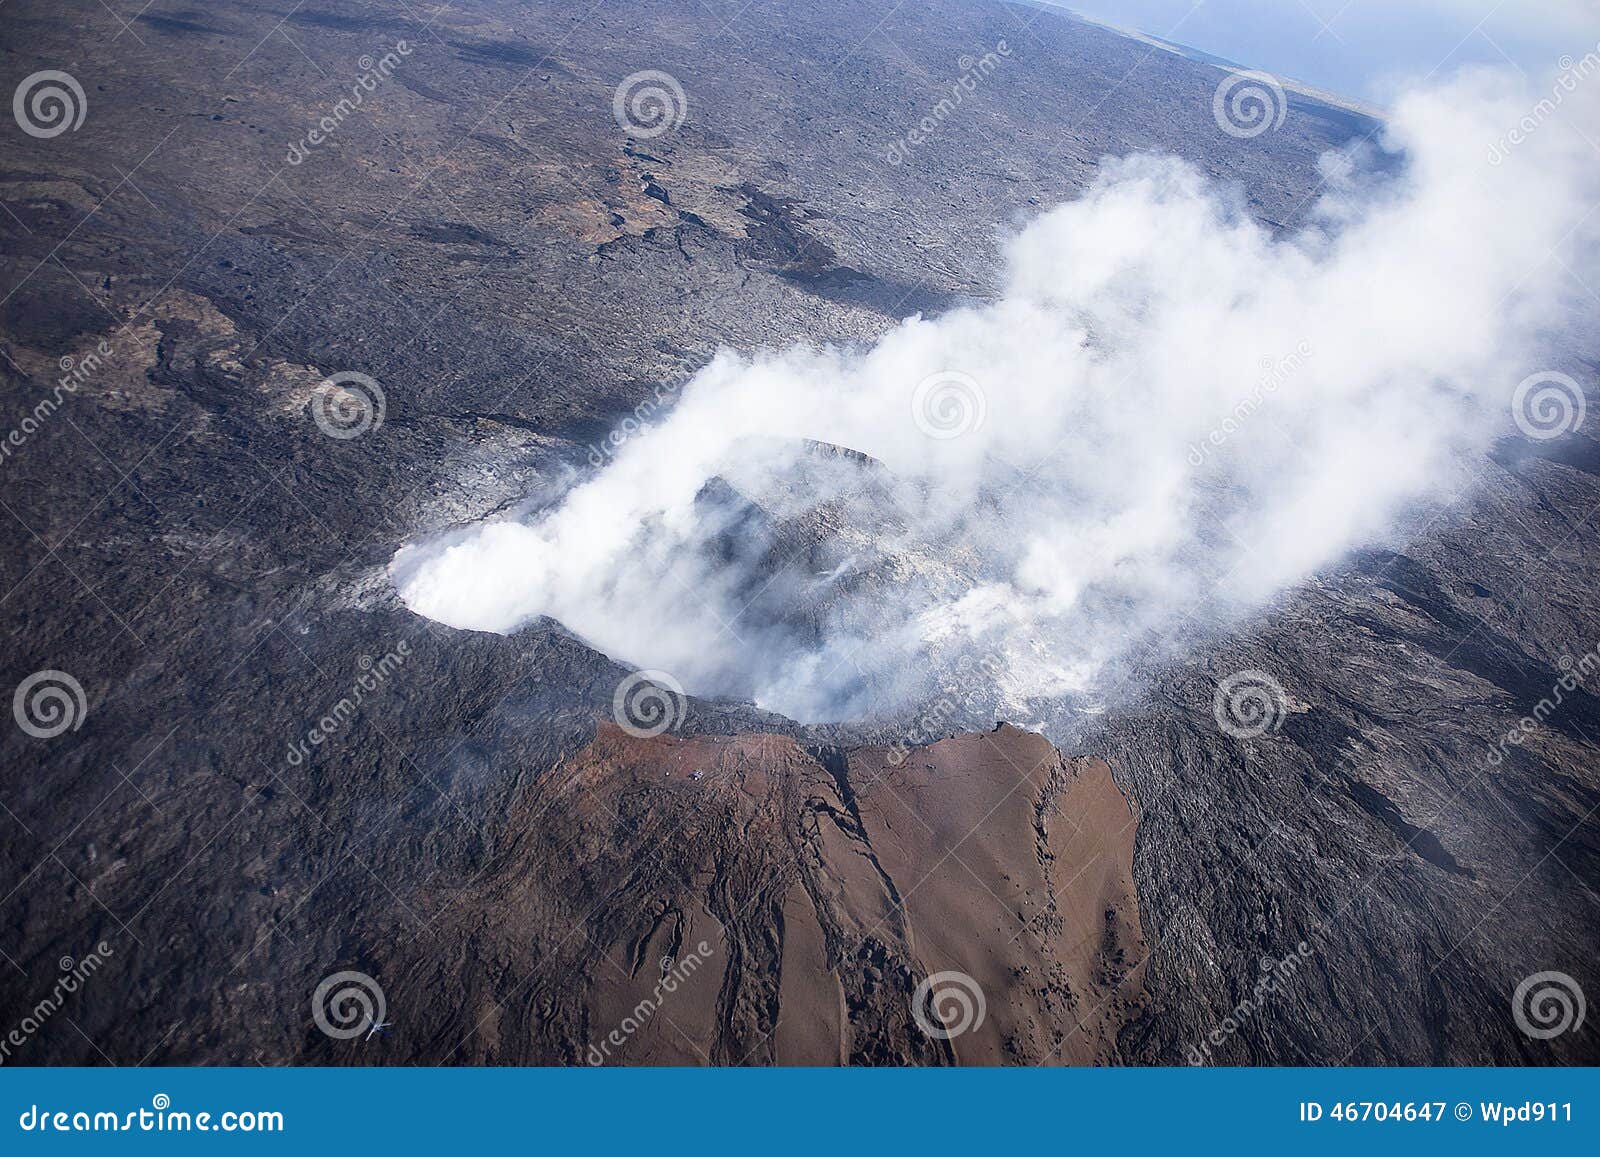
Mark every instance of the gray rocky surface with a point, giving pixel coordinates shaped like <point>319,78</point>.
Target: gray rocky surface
<point>483,240</point>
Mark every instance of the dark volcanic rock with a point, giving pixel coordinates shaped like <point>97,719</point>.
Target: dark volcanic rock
<point>481,239</point>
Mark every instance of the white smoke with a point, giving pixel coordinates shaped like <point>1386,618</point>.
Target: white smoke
<point>1168,416</point>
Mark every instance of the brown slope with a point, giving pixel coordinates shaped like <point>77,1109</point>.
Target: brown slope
<point>783,905</point>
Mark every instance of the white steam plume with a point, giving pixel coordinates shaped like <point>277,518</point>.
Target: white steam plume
<point>1168,416</point>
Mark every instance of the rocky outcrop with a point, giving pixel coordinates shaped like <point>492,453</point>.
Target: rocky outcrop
<point>518,276</point>
<point>748,900</point>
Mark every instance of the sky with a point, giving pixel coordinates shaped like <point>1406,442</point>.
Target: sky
<point>1366,49</point>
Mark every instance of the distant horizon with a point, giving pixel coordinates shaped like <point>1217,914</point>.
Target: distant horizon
<point>1363,50</point>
